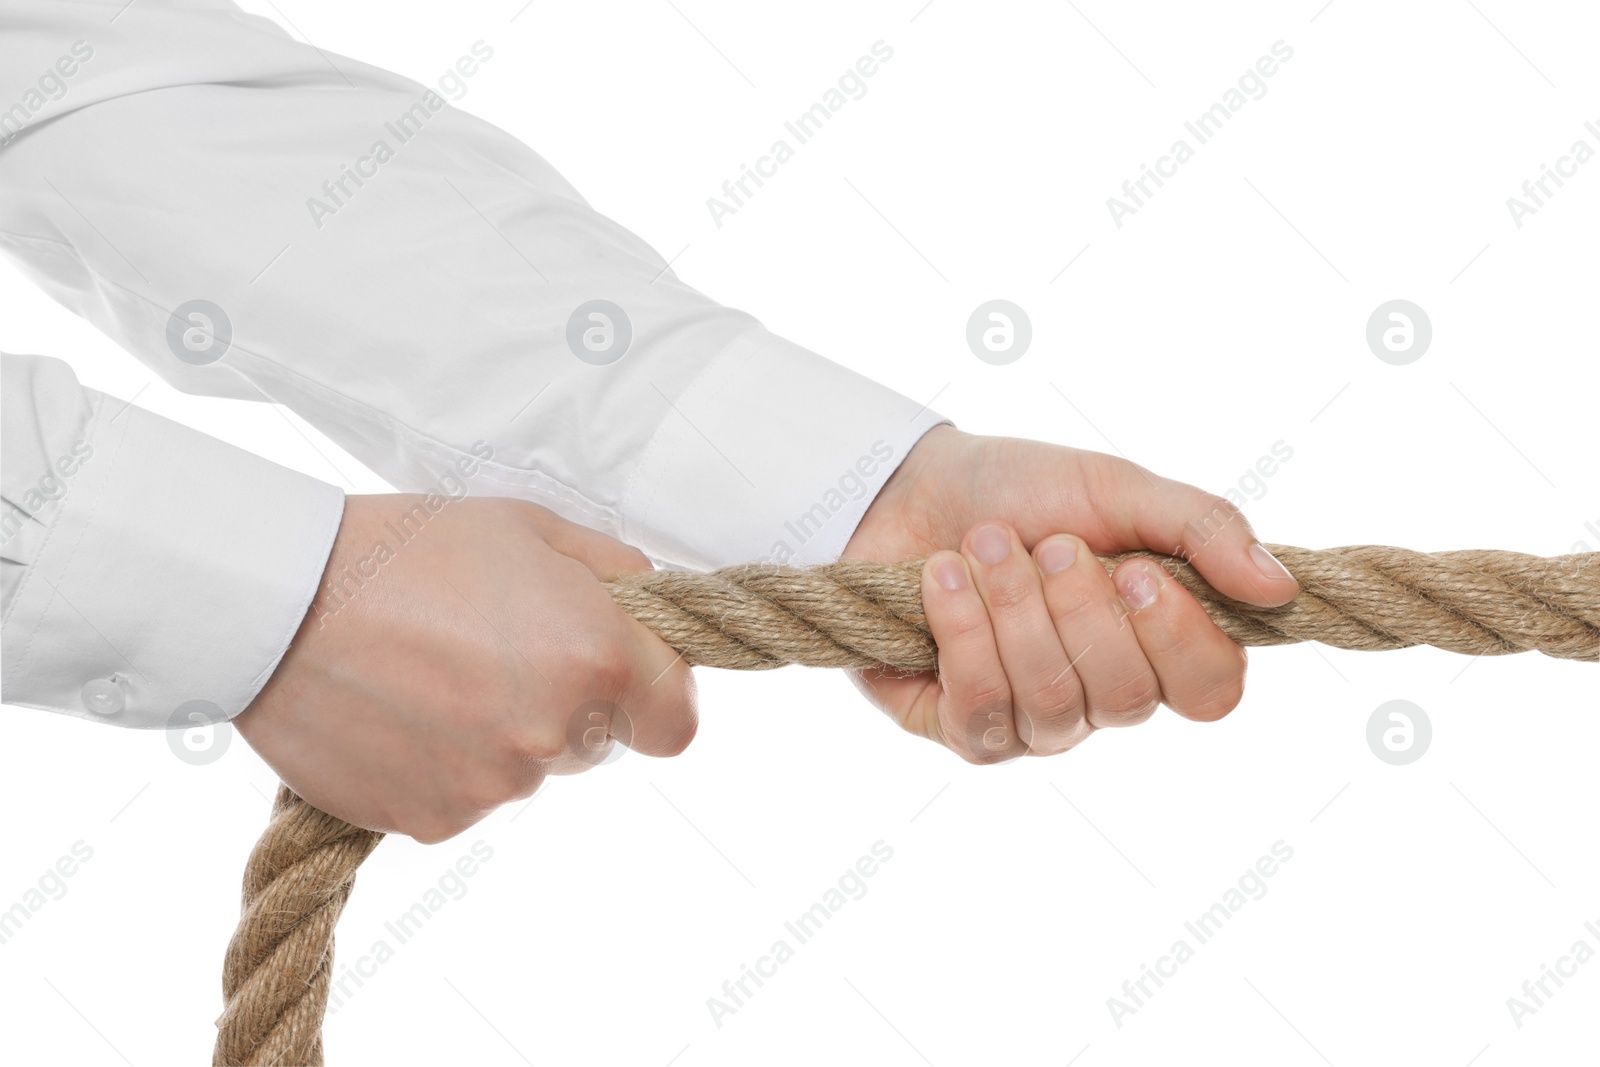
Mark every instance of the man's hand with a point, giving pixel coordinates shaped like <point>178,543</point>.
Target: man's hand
<point>1038,647</point>
<point>452,660</point>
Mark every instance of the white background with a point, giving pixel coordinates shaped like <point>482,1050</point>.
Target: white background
<point>1226,315</point>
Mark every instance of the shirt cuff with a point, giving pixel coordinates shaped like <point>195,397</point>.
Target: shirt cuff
<point>177,570</point>
<point>771,453</point>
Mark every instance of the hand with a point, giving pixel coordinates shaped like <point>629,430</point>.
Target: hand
<point>1038,647</point>
<point>435,681</point>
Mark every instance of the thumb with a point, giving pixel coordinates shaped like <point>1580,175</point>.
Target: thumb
<point>1149,511</point>
<point>604,556</point>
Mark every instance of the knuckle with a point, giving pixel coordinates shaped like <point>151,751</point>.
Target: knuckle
<point>962,624</point>
<point>1056,705</point>
<point>592,729</point>
<point>515,779</point>
<point>1081,604</point>
<point>603,661</point>
<point>485,794</point>
<point>1172,642</point>
<point>1115,472</point>
<point>1008,593</point>
<point>1215,701</point>
<point>538,742</point>
<point>1216,514</point>
<point>487,788</point>
<point>984,695</point>
<point>1130,701</point>
<point>988,735</point>
<point>1051,730</point>
<point>526,785</point>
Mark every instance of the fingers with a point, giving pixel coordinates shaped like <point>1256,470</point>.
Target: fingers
<point>653,714</point>
<point>974,717</point>
<point>1203,528</point>
<point>1038,650</point>
<point>661,702</point>
<point>1046,697</point>
<point>1120,688</point>
<point>628,686</point>
<point>1200,671</point>
<point>645,691</point>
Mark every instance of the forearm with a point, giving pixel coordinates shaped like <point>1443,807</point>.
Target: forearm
<point>415,282</point>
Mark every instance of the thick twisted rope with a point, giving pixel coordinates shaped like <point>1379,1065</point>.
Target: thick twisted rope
<point>1366,597</point>
<point>1484,603</point>
<point>279,963</point>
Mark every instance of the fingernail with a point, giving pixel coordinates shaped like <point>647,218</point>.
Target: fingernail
<point>991,545</point>
<point>1267,563</point>
<point>1057,555</point>
<point>950,573</point>
<point>1138,586</point>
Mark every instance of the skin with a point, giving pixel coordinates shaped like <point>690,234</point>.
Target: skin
<point>1038,647</point>
<point>485,655</point>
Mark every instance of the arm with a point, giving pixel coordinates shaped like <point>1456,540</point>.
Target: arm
<point>440,301</point>
<point>440,293</point>
<point>455,651</point>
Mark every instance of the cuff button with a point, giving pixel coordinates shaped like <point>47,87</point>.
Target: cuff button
<point>104,696</point>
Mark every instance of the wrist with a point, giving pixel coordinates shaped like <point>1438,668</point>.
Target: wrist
<point>901,521</point>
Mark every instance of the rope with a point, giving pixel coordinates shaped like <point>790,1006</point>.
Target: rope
<point>279,964</point>
<point>1365,597</point>
<point>849,614</point>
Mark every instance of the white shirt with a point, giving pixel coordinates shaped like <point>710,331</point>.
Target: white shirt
<point>411,280</point>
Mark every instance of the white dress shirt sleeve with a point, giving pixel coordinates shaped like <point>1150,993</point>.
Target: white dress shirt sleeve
<point>414,282</point>
<point>146,567</point>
